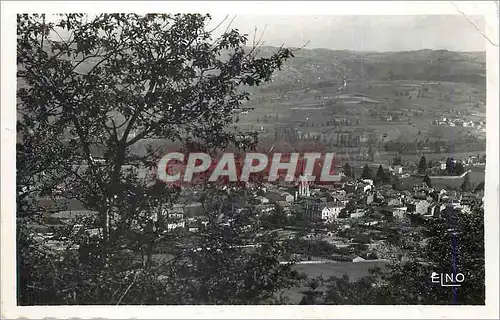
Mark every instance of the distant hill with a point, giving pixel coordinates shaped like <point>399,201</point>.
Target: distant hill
<point>317,66</point>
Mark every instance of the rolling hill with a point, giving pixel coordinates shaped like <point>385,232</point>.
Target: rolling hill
<point>322,66</point>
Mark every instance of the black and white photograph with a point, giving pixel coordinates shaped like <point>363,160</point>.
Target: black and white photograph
<point>198,158</point>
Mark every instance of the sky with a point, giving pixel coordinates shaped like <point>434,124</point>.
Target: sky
<point>363,32</point>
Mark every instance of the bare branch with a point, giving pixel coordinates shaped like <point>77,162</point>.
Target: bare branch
<point>128,288</point>
<point>217,27</point>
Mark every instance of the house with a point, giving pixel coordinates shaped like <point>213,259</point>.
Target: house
<point>339,193</point>
<point>279,196</point>
<point>285,205</point>
<point>264,208</point>
<point>71,216</point>
<point>418,206</point>
<point>370,198</point>
<point>329,211</point>
<point>398,170</point>
<point>340,198</point>
<point>194,209</point>
<point>442,193</point>
<point>368,181</point>
<point>357,259</point>
<point>441,165</point>
<point>453,200</point>
<point>422,207</point>
<point>346,258</point>
<point>364,187</point>
<point>176,225</point>
<point>465,208</point>
<point>370,223</point>
<point>434,210</point>
<point>467,199</point>
<point>444,206</point>
<point>399,212</point>
<point>379,198</point>
<point>262,200</point>
<point>175,212</point>
<point>350,187</point>
<point>419,187</point>
<point>394,203</point>
<point>192,225</point>
<point>359,213</point>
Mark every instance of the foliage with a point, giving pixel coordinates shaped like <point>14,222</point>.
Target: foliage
<point>348,171</point>
<point>312,248</point>
<point>396,183</point>
<point>455,243</point>
<point>422,165</point>
<point>397,161</point>
<point>367,172</point>
<point>275,219</point>
<point>382,176</point>
<point>97,87</point>
<point>453,167</point>
<point>479,187</point>
<point>466,184</point>
<point>427,181</point>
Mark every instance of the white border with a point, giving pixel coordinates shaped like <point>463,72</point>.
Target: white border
<point>8,137</point>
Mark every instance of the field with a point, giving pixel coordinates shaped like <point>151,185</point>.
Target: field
<point>388,104</point>
<point>387,97</point>
<point>355,271</point>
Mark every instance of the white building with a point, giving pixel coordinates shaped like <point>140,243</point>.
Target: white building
<point>368,181</point>
<point>359,213</point>
<point>358,259</point>
<point>442,165</point>
<point>173,226</point>
<point>399,212</point>
<point>262,200</point>
<point>331,211</point>
<point>421,207</point>
<point>398,169</point>
<point>367,188</point>
<point>394,203</point>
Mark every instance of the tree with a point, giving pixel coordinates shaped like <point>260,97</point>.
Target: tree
<point>430,164</point>
<point>380,176</point>
<point>348,171</point>
<point>371,153</point>
<point>276,219</point>
<point>422,165</point>
<point>466,184</point>
<point>479,187</point>
<point>459,169</point>
<point>396,183</point>
<point>101,87</point>
<point>455,244</point>
<point>427,181</point>
<point>343,290</point>
<point>450,166</point>
<point>367,173</point>
<point>397,161</point>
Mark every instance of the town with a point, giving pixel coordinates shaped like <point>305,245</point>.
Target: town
<point>350,220</point>
<point>160,162</point>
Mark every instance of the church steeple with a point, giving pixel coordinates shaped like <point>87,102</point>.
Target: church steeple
<point>303,184</point>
